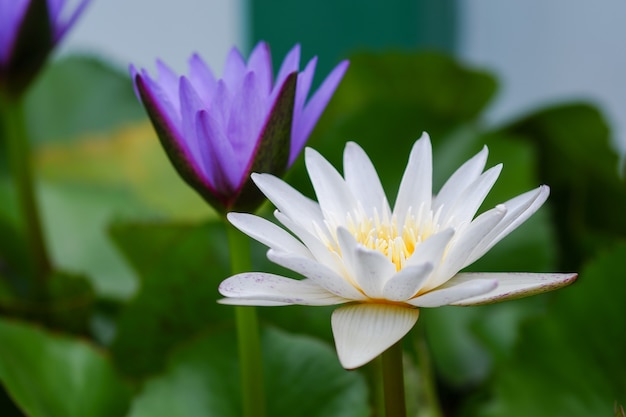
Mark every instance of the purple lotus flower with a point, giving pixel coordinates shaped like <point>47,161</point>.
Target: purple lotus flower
<point>29,29</point>
<point>218,131</point>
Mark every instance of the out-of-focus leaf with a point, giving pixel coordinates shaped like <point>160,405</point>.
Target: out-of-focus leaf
<point>302,377</point>
<point>576,160</point>
<point>91,182</point>
<point>180,267</point>
<point>50,375</point>
<point>571,361</point>
<point>78,95</point>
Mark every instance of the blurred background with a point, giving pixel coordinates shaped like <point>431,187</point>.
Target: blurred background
<point>541,52</point>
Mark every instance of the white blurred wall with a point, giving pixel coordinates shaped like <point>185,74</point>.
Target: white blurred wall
<point>140,31</point>
<point>550,51</point>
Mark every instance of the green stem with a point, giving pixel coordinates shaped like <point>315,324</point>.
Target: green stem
<point>374,376</point>
<point>247,333</point>
<point>393,380</point>
<point>20,159</point>
<point>427,377</point>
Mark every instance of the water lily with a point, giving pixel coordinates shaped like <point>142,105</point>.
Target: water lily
<point>384,264</point>
<point>29,30</point>
<point>217,131</point>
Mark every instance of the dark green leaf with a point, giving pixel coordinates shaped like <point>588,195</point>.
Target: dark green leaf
<point>180,267</point>
<point>576,160</point>
<point>50,375</point>
<point>302,378</point>
<point>571,361</point>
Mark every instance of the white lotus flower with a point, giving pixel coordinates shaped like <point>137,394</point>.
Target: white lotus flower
<point>353,249</point>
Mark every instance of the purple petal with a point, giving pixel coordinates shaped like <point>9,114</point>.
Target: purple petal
<point>61,27</point>
<point>202,78</point>
<point>167,81</point>
<point>290,64</point>
<point>260,62</point>
<point>190,105</point>
<point>313,110</point>
<point>247,117</point>
<point>234,70</point>
<point>217,154</point>
<point>12,12</point>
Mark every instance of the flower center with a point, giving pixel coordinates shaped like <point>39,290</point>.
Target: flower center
<point>397,241</point>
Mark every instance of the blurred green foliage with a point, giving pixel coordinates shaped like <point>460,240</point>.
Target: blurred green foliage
<point>137,331</point>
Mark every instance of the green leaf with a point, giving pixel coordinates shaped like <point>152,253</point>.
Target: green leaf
<point>78,95</point>
<point>50,375</point>
<point>302,377</point>
<point>576,160</point>
<point>180,267</point>
<point>571,361</point>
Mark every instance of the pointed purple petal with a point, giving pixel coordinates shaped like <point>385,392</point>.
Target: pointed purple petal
<point>61,27</point>
<point>260,62</point>
<point>313,110</point>
<point>217,154</point>
<point>202,78</point>
<point>12,12</point>
<point>234,70</point>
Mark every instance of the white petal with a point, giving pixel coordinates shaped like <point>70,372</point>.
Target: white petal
<point>416,185</point>
<point>407,282</point>
<point>292,203</point>
<point>470,200</point>
<point>363,180</point>
<point>513,285</point>
<point>369,268</point>
<point>364,331</point>
<point>320,251</point>
<point>432,249</point>
<point>267,233</point>
<point>459,181</point>
<point>460,249</point>
<point>251,287</point>
<point>519,209</point>
<point>334,196</point>
<point>317,273</point>
<point>453,291</point>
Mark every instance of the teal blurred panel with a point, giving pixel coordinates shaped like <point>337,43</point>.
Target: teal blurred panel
<point>333,29</point>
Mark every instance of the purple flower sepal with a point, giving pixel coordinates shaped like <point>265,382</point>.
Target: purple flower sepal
<point>29,30</point>
<point>216,132</point>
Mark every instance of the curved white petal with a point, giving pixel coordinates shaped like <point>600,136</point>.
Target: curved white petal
<point>255,288</point>
<point>363,180</point>
<point>416,185</point>
<point>432,249</point>
<point>317,273</point>
<point>460,249</point>
<point>519,209</point>
<point>369,268</point>
<point>470,200</point>
<point>267,233</point>
<point>334,196</point>
<point>453,292</point>
<point>407,282</point>
<point>459,181</point>
<point>320,251</point>
<point>364,331</point>
<point>290,202</point>
<point>513,285</point>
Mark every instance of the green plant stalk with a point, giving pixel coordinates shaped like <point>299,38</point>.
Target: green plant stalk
<point>374,375</point>
<point>250,362</point>
<point>12,122</point>
<point>427,377</point>
<point>393,381</point>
